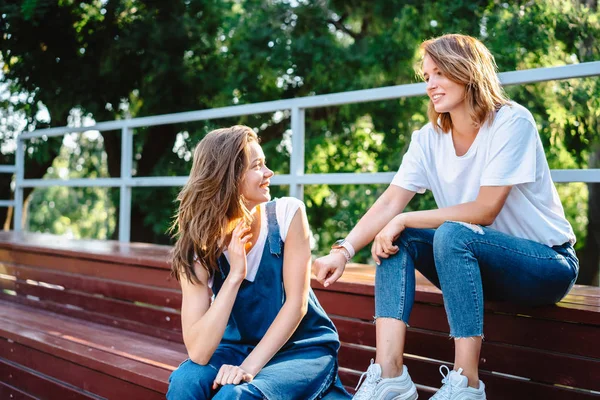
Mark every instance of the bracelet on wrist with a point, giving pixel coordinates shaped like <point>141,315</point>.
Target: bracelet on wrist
<point>342,251</point>
<point>344,244</point>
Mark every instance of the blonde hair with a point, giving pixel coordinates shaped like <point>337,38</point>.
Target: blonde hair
<point>210,200</point>
<point>465,60</point>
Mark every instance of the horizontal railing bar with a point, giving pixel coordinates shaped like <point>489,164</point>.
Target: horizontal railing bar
<point>166,181</point>
<point>342,178</point>
<point>99,182</point>
<point>60,131</point>
<point>572,71</point>
<point>7,203</point>
<point>159,181</point>
<point>576,175</point>
<point>8,169</point>
<point>325,100</point>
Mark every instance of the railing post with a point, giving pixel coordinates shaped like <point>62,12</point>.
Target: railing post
<point>125,189</point>
<point>19,176</point>
<point>297,156</point>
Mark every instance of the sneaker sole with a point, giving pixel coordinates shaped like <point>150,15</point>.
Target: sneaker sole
<point>413,396</point>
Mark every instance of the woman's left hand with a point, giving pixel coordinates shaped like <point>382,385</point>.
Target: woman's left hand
<point>231,374</point>
<point>383,244</point>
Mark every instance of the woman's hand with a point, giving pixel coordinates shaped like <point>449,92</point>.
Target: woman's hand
<point>329,268</point>
<point>231,375</point>
<point>383,245</point>
<point>240,239</point>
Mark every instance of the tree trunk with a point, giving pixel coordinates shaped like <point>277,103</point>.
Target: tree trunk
<point>590,255</point>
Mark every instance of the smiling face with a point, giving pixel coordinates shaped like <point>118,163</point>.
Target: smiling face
<point>255,183</point>
<point>446,96</point>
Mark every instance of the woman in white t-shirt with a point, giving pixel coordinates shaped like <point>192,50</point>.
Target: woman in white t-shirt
<point>264,335</point>
<point>499,231</point>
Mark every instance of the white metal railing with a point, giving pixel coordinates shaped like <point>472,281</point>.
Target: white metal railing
<point>296,179</point>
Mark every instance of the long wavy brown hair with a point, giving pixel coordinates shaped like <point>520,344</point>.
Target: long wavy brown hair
<point>465,60</point>
<point>210,200</point>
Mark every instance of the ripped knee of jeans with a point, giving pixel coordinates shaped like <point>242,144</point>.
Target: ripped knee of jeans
<point>475,228</point>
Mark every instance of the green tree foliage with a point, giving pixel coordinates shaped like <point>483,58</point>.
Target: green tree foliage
<point>122,58</point>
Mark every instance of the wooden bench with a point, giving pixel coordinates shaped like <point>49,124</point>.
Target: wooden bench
<point>99,319</point>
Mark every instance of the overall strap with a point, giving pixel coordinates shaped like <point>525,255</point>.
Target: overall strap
<point>274,237</point>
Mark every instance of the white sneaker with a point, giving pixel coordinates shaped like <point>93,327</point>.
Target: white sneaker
<point>456,387</point>
<point>377,388</point>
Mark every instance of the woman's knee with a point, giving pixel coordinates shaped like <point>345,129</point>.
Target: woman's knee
<point>191,381</point>
<point>454,234</point>
<point>405,248</point>
<point>238,392</point>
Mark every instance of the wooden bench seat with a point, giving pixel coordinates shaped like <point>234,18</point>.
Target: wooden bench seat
<point>89,318</point>
<point>98,319</point>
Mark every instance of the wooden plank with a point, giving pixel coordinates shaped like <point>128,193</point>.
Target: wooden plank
<point>39,385</point>
<point>150,276</point>
<point>572,298</point>
<point>360,279</point>
<point>425,372</point>
<point>12,393</point>
<point>114,308</point>
<point>21,339</point>
<point>88,284</point>
<point>145,349</point>
<point>585,290</point>
<point>105,250</point>
<point>89,316</point>
<point>540,366</point>
<point>557,336</point>
<point>563,311</point>
<point>77,374</point>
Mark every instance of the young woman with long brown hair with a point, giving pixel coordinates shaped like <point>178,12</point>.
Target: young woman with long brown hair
<point>263,335</point>
<point>499,231</point>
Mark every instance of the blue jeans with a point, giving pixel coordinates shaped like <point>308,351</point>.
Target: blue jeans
<point>467,261</point>
<point>192,381</point>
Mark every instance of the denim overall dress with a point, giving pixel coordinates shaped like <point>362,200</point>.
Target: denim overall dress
<point>306,366</point>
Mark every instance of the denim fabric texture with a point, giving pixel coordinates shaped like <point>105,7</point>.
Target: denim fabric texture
<point>305,368</point>
<point>470,263</point>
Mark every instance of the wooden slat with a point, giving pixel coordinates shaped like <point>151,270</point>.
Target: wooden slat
<point>425,372</point>
<point>150,276</point>
<point>578,312</point>
<point>18,337</point>
<point>89,316</point>
<point>585,290</point>
<point>143,348</point>
<point>540,366</point>
<point>573,298</point>
<point>562,337</point>
<point>104,250</point>
<point>106,287</point>
<point>113,308</point>
<point>39,385</point>
<point>360,278</point>
<point>76,374</point>
<point>12,393</point>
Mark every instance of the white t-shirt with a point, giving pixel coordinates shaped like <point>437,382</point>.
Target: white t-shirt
<point>285,209</point>
<point>507,152</point>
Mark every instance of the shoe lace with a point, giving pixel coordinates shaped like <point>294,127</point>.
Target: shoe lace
<point>445,392</point>
<point>366,390</point>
